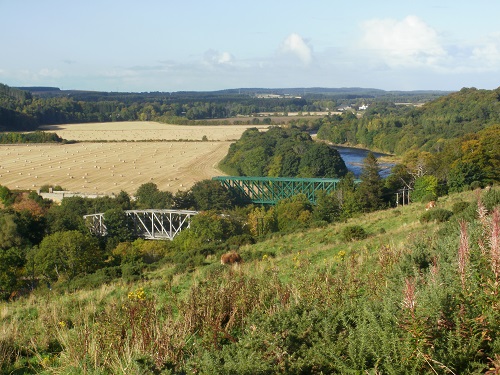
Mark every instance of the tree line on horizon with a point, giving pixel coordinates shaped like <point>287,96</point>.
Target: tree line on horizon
<point>24,111</point>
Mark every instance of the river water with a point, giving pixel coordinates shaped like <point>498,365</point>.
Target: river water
<point>353,158</point>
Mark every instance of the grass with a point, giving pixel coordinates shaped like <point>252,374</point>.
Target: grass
<point>217,310</point>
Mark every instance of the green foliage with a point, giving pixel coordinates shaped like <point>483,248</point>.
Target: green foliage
<point>369,192</point>
<point>9,236</point>
<point>282,152</point>
<point>184,200</point>
<point>406,302</point>
<point>33,137</point>
<point>353,233</point>
<point>208,227</point>
<point>118,226</point>
<point>346,193</point>
<point>66,255</point>
<point>371,307</point>
<point>327,207</point>
<point>399,178</point>
<point>458,207</point>
<point>12,261</point>
<point>491,199</point>
<point>321,160</point>
<point>149,196</point>
<point>462,175</point>
<point>132,271</point>
<point>5,195</point>
<point>123,200</point>
<point>68,215</point>
<point>31,226</point>
<point>425,189</point>
<point>418,260</point>
<point>439,215</point>
<point>293,213</point>
<point>392,128</point>
<point>262,221</point>
<point>211,195</point>
<point>95,280</point>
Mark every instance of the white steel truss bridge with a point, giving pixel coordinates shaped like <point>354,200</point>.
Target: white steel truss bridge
<point>149,224</point>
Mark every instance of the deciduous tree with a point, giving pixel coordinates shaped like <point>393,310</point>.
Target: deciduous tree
<point>67,254</point>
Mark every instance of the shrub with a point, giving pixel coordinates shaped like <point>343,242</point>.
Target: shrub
<point>439,215</point>
<point>491,199</point>
<point>353,233</point>
<point>240,240</point>
<point>475,185</point>
<point>132,271</point>
<point>98,278</point>
<point>5,195</point>
<point>459,207</point>
<point>251,254</point>
<point>419,259</point>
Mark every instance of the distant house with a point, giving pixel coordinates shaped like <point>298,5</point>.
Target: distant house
<point>363,107</point>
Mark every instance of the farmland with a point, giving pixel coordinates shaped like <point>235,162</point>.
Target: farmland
<point>110,157</point>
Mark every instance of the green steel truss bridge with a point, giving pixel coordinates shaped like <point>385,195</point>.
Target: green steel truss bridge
<point>269,190</point>
<point>149,224</point>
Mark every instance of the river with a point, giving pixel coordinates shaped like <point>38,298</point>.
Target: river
<point>353,158</point>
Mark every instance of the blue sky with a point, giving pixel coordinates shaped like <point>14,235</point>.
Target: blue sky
<point>153,45</point>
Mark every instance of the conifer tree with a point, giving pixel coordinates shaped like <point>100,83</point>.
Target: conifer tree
<point>370,190</point>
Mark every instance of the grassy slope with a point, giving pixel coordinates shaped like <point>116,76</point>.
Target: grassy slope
<point>44,324</point>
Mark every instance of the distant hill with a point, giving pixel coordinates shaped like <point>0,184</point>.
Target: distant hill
<point>307,92</point>
<point>398,128</point>
<point>37,89</point>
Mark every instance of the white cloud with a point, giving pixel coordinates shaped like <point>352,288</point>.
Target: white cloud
<point>406,43</point>
<point>486,55</point>
<point>296,45</point>
<point>213,57</point>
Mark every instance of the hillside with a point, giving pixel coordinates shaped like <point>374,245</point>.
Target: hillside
<point>11,118</point>
<point>396,129</point>
<point>387,292</point>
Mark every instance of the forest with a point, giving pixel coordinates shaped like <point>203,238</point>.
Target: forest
<point>357,283</point>
<point>396,129</point>
<point>281,152</point>
<point>23,110</point>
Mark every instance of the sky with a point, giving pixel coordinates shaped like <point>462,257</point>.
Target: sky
<point>205,45</point>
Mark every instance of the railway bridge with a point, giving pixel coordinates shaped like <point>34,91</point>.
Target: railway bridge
<point>149,224</point>
<point>269,190</point>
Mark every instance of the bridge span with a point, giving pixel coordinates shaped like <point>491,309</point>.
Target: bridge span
<point>269,190</point>
<point>150,224</point>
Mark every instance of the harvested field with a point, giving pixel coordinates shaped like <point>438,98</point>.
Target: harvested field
<point>109,167</point>
<point>147,130</point>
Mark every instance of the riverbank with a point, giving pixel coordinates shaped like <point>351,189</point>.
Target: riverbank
<point>354,157</point>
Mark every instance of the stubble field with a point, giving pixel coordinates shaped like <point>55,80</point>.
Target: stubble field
<point>119,156</point>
